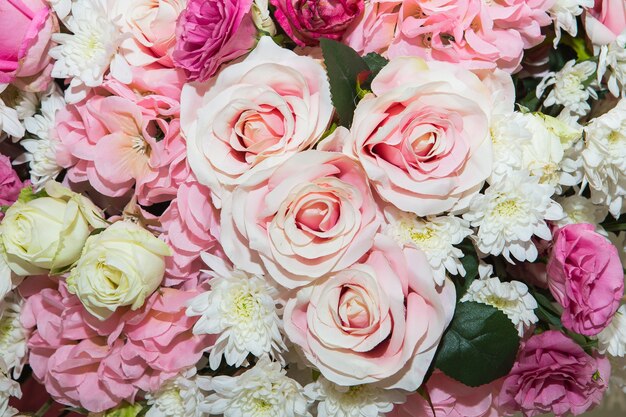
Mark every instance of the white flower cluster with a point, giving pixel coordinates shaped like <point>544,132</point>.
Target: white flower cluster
<point>571,87</point>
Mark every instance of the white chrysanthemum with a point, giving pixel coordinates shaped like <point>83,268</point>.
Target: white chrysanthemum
<point>619,240</point>
<point>9,119</point>
<point>241,308</point>
<point>8,280</point>
<point>612,58</point>
<point>563,13</point>
<point>179,397</point>
<point>13,336</point>
<point>25,103</point>
<point>358,401</point>
<point>8,388</point>
<point>62,8</point>
<point>512,298</point>
<point>612,339</point>
<point>578,209</point>
<point>435,236</point>
<point>569,87</point>
<point>604,158</point>
<point>510,213</point>
<point>41,147</point>
<point>509,135</point>
<point>262,391</point>
<point>90,50</point>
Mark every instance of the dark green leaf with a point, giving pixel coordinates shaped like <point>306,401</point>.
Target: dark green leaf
<point>343,65</point>
<point>375,63</point>
<point>480,345</point>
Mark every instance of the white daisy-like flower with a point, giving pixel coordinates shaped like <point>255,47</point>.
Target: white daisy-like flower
<point>179,397</point>
<point>357,401</point>
<point>62,8</point>
<point>569,89</point>
<point>512,298</point>
<point>612,339</point>
<point>563,14</point>
<point>435,236</point>
<point>90,50</point>
<point>509,135</point>
<point>9,119</point>
<point>604,158</point>
<point>8,388</point>
<point>262,391</point>
<point>25,103</point>
<point>8,280</point>
<point>578,209</point>
<point>509,213</point>
<point>241,308</point>
<point>13,336</point>
<point>612,58</point>
<point>41,147</point>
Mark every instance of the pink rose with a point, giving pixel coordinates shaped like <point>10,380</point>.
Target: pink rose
<point>312,215</point>
<point>152,25</point>
<point>554,375</point>
<point>375,29</point>
<point>377,321</point>
<point>191,226</point>
<point>586,277</point>
<point>450,398</point>
<point>27,26</point>
<point>305,21</point>
<point>212,32</point>
<point>423,135</point>
<point>10,183</point>
<point>605,21</point>
<point>259,111</point>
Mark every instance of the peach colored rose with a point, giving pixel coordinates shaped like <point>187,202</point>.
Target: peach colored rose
<point>262,110</point>
<point>312,215</point>
<point>378,321</point>
<point>423,135</point>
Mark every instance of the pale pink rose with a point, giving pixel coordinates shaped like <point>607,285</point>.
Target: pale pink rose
<point>262,110</point>
<point>191,226</point>
<point>312,215</point>
<point>85,362</point>
<point>306,21</point>
<point>586,277</point>
<point>554,375</point>
<point>423,135</point>
<point>605,21</point>
<point>152,25</point>
<point>450,398</point>
<point>210,33</point>
<point>27,28</point>
<point>378,321</point>
<point>375,29</point>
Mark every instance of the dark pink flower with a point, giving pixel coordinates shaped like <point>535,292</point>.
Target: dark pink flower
<point>210,33</point>
<point>585,276</point>
<point>10,183</point>
<point>305,21</point>
<point>554,375</point>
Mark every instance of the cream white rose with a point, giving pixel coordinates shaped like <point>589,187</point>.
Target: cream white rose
<point>121,266</point>
<point>48,233</point>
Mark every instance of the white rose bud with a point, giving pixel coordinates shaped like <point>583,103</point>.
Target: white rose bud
<point>261,17</point>
<point>45,233</point>
<point>121,266</point>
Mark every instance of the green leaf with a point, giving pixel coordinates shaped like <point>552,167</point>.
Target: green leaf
<point>480,345</point>
<point>470,263</point>
<point>343,65</point>
<point>375,63</point>
<point>27,194</point>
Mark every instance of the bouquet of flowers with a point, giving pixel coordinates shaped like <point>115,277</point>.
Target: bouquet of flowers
<point>297,208</point>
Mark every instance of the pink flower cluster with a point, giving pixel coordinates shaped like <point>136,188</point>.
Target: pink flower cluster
<point>474,33</point>
<point>85,362</point>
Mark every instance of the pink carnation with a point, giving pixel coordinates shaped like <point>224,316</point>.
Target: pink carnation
<point>305,21</point>
<point>10,183</point>
<point>554,375</point>
<point>210,33</point>
<point>191,225</point>
<point>450,398</point>
<point>85,362</point>
<point>586,277</point>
